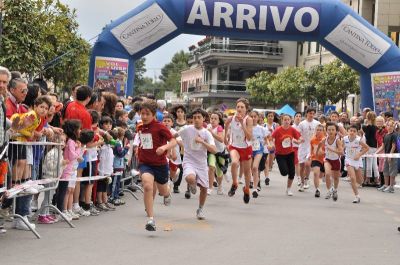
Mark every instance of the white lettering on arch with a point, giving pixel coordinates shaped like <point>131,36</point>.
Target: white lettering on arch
<point>298,19</point>
<point>249,17</point>
<point>199,12</point>
<point>226,16</point>
<point>281,24</point>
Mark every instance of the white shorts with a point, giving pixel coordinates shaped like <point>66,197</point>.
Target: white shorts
<point>200,173</point>
<point>72,182</point>
<point>353,163</point>
<point>303,155</point>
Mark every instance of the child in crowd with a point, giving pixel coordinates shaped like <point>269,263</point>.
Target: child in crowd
<point>73,154</point>
<point>317,157</point>
<point>120,152</point>
<point>197,141</point>
<point>174,155</point>
<point>155,141</point>
<point>380,135</point>
<point>355,148</point>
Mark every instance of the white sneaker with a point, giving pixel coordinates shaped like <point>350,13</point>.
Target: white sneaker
<point>357,200</point>
<point>301,188</point>
<point>193,189</point>
<point>220,190</point>
<point>67,216</point>
<point>226,178</point>
<point>209,191</point>
<point>200,214</point>
<point>289,192</point>
<point>306,184</point>
<point>73,215</point>
<point>34,205</point>
<point>167,200</point>
<point>389,189</point>
<point>81,212</point>
<point>240,181</point>
<point>20,225</point>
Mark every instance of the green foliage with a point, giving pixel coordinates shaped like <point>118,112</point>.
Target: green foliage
<point>260,89</point>
<point>171,72</point>
<point>140,70</point>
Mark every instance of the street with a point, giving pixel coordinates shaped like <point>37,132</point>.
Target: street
<point>272,229</point>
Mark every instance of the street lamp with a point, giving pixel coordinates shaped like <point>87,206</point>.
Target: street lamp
<point>353,98</point>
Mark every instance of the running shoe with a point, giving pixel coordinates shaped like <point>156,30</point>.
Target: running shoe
<point>73,215</point>
<point>317,194</point>
<point>209,191</point>
<point>255,193</point>
<point>246,195</point>
<point>176,189</point>
<point>2,230</point>
<point>301,188</point>
<point>200,214</point>
<point>102,207</point>
<point>289,192</point>
<point>81,211</point>
<point>357,200</point>
<point>42,219</point>
<point>66,216</point>
<point>232,191</point>
<point>93,211</point>
<point>20,225</point>
<point>335,195</point>
<point>110,206</point>
<point>389,189</point>
<point>306,185</point>
<point>328,195</point>
<point>259,187</point>
<point>240,181</point>
<point>167,200</point>
<point>266,181</point>
<point>151,225</point>
<point>220,191</point>
<point>193,189</point>
<point>251,185</point>
<point>215,184</point>
<point>187,194</point>
<point>382,188</point>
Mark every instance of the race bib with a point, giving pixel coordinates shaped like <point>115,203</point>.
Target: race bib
<point>287,142</point>
<point>256,145</point>
<point>146,140</point>
<point>352,153</point>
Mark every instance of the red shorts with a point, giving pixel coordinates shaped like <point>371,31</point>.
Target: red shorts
<point>335,164</point>
<point>296,155</point>
<point>173,167</point>
<point>244,153</point>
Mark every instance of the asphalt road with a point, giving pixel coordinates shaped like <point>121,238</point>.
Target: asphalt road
<point>272,229</point>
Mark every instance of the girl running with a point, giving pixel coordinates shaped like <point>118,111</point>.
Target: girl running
<point>296,122</point>
<point>240,128</point>
<point>317,157</point>
<point>271,126</point>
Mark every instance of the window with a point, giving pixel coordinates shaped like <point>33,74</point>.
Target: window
<point>395,36</point>
<point>223,73</point>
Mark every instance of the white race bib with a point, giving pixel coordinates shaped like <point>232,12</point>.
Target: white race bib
<point>287,142</point>
<point>256,145</point>
<point>147,141</point>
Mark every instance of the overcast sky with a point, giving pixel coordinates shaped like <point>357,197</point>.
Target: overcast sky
<point>93,15</point>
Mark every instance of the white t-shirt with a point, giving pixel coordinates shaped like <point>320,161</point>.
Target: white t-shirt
<point>259,133</point>
<point>195,154</point>
<point>91,154</point>
<point>177,148</point>
<point>352,148</point>
<point>307,130</point>
<point>220,145</point>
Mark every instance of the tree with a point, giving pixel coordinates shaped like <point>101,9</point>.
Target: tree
<point>171,72</point>
<point>288,85</point>
<point>149,86</point>
<point>260,89</point>
<point>140,70</point>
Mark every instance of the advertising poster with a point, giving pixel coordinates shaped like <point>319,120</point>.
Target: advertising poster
<point>386,91</point>
<point>111,75</point>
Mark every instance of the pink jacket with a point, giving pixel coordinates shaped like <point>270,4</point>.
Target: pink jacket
<point>71,153</point>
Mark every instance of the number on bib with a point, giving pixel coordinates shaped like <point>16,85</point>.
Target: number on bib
<point>286,143</point>
<point>146,140</point>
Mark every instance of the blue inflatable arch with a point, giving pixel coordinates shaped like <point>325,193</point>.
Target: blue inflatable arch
<point>330,22</point>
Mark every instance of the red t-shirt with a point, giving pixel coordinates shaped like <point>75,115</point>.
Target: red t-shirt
<point>76,111</point>
<point>283,140</point>
<point>153,136</point>
<point>12,108</point>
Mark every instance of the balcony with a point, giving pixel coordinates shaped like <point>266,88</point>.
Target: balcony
<point>218,89</point>
<point>236,48</point>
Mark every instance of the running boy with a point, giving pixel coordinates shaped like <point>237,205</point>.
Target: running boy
<point>317,157</point>
<point>155,141</point>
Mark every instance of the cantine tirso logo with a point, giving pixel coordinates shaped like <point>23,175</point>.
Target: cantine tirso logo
<point>361,39</point>
<point>142,26</point>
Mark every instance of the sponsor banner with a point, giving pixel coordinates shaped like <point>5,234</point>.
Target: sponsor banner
<point>144,29</point>
<point>111,74</point>
<point>386,92</point>
<point>254,15</point>
<point>358,41</point>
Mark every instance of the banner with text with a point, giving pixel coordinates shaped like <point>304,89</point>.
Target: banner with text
<point>111,75</point>
<point>386,91</point>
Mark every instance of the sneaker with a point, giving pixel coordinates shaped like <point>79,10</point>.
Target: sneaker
<point>20,225</point>
<point>328,195</point>
<point>42,219</point>
<point>73,215</point>
<point>382,188</point>
<point>81,211</point>
<point>215,184</point>
<point>334,195</point>
<point>110,206</point>
<point>298,181</point>
<point>389,189</point>
<point>52,217</point>
<point>240,181</point>
<point>226,178</point>
<point>200,214</point>
<point>259,186</point>
<point>193,189</point>
<point>67,216</point>
<point>102,207</point>
<point>306,185</point>
<point>220,191</point>
<point>187,194</point>
<point>151,225</point>
<point>167,200</point>
<point>301,188</point>
<point>251,185</point>
<point>232,191</point>
<point>93,211</point>
<point>34,205</point>
<point>116,202</point>
<point>317,194</point>
<point>176,189</point>
<point>209,191</point>
<point>289,192</point>
<point>357,200</point>
<point>266,181</point>
<point>246,195</point>
<point>2,230</point>
<point>255,193</point>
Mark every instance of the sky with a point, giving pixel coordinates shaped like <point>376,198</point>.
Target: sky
<point>93,15</point>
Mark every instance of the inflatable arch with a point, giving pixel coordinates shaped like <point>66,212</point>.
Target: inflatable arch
<point>332,23</point>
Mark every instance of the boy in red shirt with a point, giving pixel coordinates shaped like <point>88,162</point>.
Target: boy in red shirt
<point>284,136</point>
<point>155,140</point>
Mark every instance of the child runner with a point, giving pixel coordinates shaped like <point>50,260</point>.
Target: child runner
<point>317,157</point>
<point>354,150</point>
<point>260,135</point>
<point>390,166</point>
<point>296,122</point>
<point>284,136</point>
<point>216,128</point>
<point>307,129</point>
<point>239,138</point>
<point>174,156</point>
<point>155,141</point>
<point>333,150</point>
<point>270,126</point>
<point>197,141</point>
